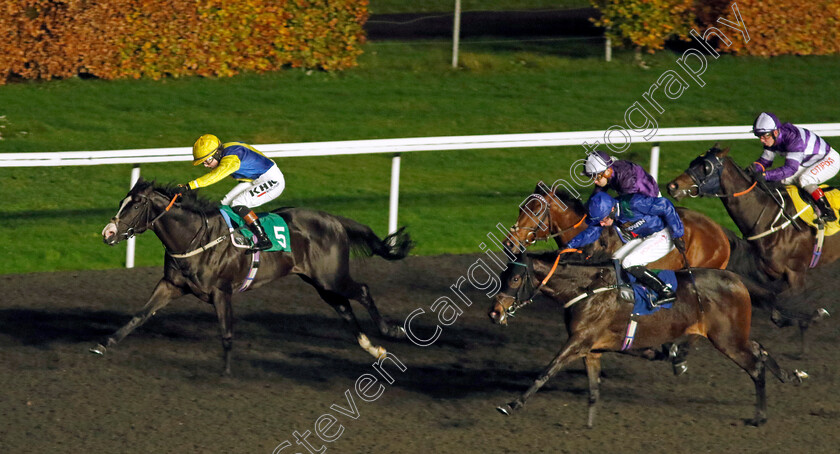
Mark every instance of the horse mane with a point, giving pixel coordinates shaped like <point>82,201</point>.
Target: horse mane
<point>599,257</point>
<point>188,200</point>
<point>565,197</point>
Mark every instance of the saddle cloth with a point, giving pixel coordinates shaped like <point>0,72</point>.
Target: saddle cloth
<point>274,225</point>
<point>833,196</point>
<point>643,297</point>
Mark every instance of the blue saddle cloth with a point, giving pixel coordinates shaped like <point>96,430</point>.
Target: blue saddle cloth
<point>643,296</point>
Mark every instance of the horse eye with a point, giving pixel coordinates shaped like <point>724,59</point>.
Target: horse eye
<point>707,166</point>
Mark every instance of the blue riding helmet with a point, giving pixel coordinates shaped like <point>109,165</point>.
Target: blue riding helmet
<point>600,206</point>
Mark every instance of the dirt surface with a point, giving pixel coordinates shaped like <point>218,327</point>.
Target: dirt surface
<point>160,390</point>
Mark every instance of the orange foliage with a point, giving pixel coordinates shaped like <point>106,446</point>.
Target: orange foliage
<point>777,27</point>
<point>109,39</point>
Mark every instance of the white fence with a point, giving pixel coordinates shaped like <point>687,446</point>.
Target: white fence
<point>394,146</point>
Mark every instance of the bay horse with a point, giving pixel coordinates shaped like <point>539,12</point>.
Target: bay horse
<point>321,244</point>
<point>775,259</point>
<point>556,214</point>
<point>784,253</point>
<point>713,304</point>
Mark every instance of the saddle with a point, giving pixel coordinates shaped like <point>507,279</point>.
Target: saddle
<point>804,201</point>
<point>274,225</point>
<point>640,296</point>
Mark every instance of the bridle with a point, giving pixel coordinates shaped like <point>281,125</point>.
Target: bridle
<point>146,205</point>
<point>529,283</point>
<point>531,236</point>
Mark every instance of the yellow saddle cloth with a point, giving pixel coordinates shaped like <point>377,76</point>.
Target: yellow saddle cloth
<point>808,216</point>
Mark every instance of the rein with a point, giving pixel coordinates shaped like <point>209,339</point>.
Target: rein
<point>518,304</point>
<point>717,166</point>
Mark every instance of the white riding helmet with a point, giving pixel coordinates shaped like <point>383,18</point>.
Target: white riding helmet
<point>765,122</point>
<point>596,163</point>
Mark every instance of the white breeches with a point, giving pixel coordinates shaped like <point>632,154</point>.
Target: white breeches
<point>816,173</point>
<point>641,251</point>
<point>262,190</point>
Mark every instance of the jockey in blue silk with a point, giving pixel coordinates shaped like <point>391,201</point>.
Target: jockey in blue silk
<point>624,177</point>
<point>260,180</point>
<point>652,226</point>
<point>809,159</point>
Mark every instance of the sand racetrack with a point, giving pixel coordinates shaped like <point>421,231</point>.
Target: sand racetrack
<point>160,390</point>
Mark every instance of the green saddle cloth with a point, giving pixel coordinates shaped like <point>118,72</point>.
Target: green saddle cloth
<point>274,225</point>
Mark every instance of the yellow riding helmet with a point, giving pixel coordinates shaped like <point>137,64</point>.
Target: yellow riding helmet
<point>204,147</point>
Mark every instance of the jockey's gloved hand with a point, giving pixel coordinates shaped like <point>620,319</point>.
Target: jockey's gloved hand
<point>679,243</point>
<point>757,173</point>
<point>182,189</point>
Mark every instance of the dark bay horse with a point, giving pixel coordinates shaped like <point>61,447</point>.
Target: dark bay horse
<point>778,259</point>
<point>321,245</point>
<point>720,310</point>
<point>784,254</point>
<point>558,215</point>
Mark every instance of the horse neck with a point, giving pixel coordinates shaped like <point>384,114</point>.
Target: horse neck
<point>180,229</point>
<point>749,209</point>
<point>566,220</point>
<point>567,281</point>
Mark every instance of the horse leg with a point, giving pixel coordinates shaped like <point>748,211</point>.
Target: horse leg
<point>361,293</point>
<point>748,355</point>
<point>224,312</point>
<point>164,292</point>
<point>574,348</point>
<point>342,306</point>
<point>593,371</point>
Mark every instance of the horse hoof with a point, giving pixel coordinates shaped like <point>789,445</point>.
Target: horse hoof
<point>98,350</point>
<point>800,375</point>
<point>506,410</point>
<point>820,314</point>
<point>680,368</point>
<point>398,333</point>
<point>756,422</point>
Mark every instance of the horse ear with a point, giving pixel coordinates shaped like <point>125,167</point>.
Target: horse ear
<point>724,152</point>
<point>538,189</point>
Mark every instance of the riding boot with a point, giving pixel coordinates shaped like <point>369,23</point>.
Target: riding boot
<point>826,213</point>
<point>263,242</point>
<point>625,291</point>
<point>253,222</point>
<point>650,280</point>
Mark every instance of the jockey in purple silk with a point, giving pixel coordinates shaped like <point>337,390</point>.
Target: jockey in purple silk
<point>652,226</point>
<point>809,159</point>
<point>624,177</point>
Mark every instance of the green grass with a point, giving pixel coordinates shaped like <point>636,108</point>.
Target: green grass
<point>448,6</point>
<point>52,217</point>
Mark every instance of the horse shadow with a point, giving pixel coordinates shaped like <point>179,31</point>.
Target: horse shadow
<point>42,328</point>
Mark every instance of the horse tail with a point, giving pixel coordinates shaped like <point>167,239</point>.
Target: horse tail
<point>363,241</point>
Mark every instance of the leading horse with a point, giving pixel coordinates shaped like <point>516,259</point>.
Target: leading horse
<point>201,260</point>
<point>713,304</point>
